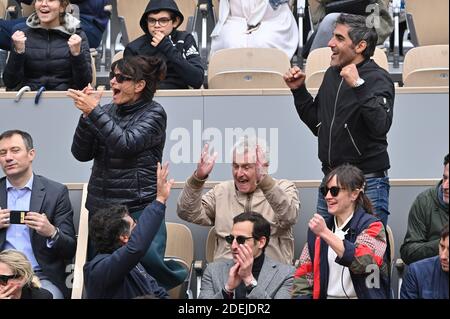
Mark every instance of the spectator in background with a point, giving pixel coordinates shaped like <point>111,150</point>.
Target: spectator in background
<point>376,11</point>
<point>347,247</point>
<point>116,272</point>
<point>47,234</point>
<point>255,24</point>
<point>91,13</point>
<point>178,49</point>
<point>17,280</point>
<point>428,278</point>
<point>252,189</point>
<point>427,216</point>
<point>251,274</point>
<point>126,138</point>
<point>49,51</point>
<point>352,112</point>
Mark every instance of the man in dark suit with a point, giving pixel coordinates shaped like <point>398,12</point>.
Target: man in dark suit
<point>46,234</point>
<point>251,274</point>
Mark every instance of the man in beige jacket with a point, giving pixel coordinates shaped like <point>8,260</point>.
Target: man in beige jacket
<point>252,189</point>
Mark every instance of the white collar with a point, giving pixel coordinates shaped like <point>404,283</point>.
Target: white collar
<point>338,230</point>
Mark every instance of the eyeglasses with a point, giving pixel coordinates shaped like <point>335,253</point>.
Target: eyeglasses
<point>162,21</point>
<point>119,77</point>
<point>4,278</point>
<point>334,190</point>
<point>240,239</point>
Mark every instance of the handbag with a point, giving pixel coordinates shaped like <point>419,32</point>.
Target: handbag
<point>349,6</point>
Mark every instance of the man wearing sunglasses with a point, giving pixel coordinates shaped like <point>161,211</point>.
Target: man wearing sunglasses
<point>178,49</point>
<point>46,234</point>
<point>252,189</point>
<point>352,111</point>
<point>251,274</point>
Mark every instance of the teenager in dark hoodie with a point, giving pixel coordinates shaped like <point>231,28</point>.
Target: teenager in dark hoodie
<point>177,48</point>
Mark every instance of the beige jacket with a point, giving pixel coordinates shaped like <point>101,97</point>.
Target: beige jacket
<point>276,200</point>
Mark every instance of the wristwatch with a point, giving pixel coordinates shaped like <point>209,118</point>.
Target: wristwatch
<point>252,284</point>
<point>358,83</point>
<point>55,235</point>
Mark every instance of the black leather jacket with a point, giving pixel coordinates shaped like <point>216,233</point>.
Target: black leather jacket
<point>351,123</point>
<point>126,143</point>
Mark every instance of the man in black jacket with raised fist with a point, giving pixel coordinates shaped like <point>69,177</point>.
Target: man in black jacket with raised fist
<point>352,112</point>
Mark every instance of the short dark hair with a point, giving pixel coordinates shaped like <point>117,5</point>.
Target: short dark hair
<point>446,160</point>
<point>261,227</point>
<point>27,139</point>
<point>352,178</point>
<point>444,232</point>
<point>360,31</point>
<point>106,226</point>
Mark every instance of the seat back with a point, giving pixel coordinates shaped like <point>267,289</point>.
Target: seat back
<point>428,21</point>
<point>390,236</point>
<point>210,247</point>
<point>319,61</point>
<point>3,6</point>
<point>81,218</point>
<point>188,8</point>
<point>27,9</point>
<point>426,66</point>
<point>247,68</point>
<point>179,247</point>
<point>131,15</point>
<point>117,56</point>
<point>391,242</point>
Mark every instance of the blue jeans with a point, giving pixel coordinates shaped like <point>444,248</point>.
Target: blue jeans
<point>377,190</point>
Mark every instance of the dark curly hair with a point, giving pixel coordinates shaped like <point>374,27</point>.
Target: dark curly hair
<point>151,69</point>
<point>106,226</point>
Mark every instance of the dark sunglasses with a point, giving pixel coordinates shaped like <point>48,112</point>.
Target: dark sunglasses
<point>119,77</point>
<point>4,278</point>
<point>240,239</point>
<point>162,22</point>
<point>334,190</point>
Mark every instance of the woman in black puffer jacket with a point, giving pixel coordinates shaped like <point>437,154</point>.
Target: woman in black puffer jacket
<point>126,140</point>
<point>49,51</point>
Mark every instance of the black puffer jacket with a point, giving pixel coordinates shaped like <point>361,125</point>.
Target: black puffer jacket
<point>47,60</point>
<point>126,143</point>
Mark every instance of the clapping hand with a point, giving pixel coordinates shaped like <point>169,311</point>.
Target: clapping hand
<point>206,163</point>
<point>262,165</point>
<point>87,99</point>
<point>163,185</point>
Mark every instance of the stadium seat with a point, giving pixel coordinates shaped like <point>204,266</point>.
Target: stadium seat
<point>427,21</point>
<point>319,60</point>
<point>180,248</point>
<point>247,68</point>
<point>426,66</point>
<point>81,218</point>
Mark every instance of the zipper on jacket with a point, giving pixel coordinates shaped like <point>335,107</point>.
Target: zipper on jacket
<point>248,203</point>
<point>351,137</point>
<point>318,126</point>
<point>332,122</point>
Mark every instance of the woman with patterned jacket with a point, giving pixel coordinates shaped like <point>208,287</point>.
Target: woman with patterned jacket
<point>344,257</point>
